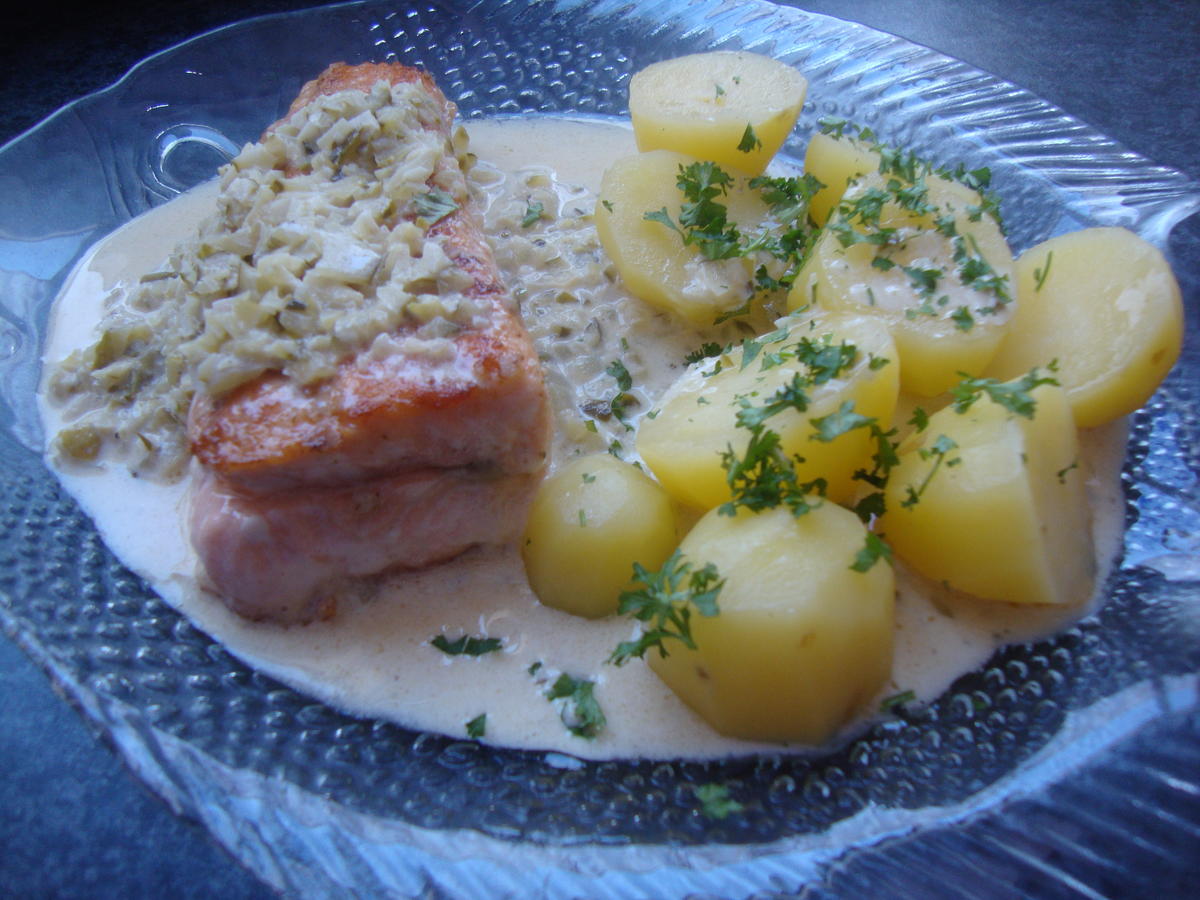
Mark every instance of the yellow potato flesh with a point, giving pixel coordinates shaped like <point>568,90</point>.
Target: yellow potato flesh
<point>701,105</point>
<point>801,641</point>
<point>697,417</point>
<point>589,523</point>
<point>1104,303</point>
<point>651,257</point>
<point>1005,515</point>
<point>934,346</point>
<point>835,162</point>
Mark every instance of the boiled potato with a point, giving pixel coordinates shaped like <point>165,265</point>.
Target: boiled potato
<point>589,523</point>
<point>651,257</point>
<point>697,417</point>
<point>943,317</point>
<point>1104,303</point>
<point>801,641</point>
<point>835,162</point>
<point>1002,512</point>
<point>702,104</point>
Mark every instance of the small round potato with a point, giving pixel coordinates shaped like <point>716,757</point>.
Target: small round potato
<point>802,640</point>
<point>731,107</point>
<point>590,522</point>
<point>945,299</point>
<point>1105,304</point>
<point>654,262</point>
<point>994,504</point>
<point>835,162</point>
<point>697,420</point>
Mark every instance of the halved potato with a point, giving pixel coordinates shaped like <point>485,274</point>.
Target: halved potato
<point>946,297</point>
<point>1000,508</point>
<point>651,257</point>
<point>1105,304</point>
<point>702,104</point>
<point>696,419</point>
<point>589,523</point>
<point>801,641</point>
<point>835,162</point>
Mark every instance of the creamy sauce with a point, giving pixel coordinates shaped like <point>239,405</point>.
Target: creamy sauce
<point>375,658</point>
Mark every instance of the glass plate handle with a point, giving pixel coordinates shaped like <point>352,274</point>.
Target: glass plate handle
<point>185,155</point>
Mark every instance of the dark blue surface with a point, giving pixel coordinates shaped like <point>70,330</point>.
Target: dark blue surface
<point>73,821</point>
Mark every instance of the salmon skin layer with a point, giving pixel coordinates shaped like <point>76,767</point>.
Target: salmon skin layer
<point>398,460</point>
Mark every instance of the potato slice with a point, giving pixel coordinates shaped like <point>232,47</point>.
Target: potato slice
<point>589,523</point>
<point>941,280</point>
<point>651,257</point>
<point>1001,510</point>
<point>835,162</point>
<point>801,641</point>
<point>697,416</point>
<point>702,104</point>
<point>1104,303</point>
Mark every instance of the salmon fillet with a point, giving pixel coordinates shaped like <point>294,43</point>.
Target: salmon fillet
<point>399,460</point>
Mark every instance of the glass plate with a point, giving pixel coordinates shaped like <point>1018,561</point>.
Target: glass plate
<point>1071,764</point>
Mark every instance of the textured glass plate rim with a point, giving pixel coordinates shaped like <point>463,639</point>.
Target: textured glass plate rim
<point>1154,219</point>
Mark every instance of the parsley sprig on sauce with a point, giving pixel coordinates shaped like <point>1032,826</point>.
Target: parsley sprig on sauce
<point>578,708</point>
<point>466,645</point>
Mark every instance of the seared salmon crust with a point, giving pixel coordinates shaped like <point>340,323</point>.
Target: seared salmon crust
<point>345,478</point>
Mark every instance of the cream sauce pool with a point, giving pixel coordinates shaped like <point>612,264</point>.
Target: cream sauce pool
<point>374,658</point>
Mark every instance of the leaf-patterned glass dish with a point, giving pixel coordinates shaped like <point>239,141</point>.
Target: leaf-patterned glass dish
<point>982,786</point>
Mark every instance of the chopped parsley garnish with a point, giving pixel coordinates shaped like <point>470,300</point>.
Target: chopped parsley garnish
<point>579,711</point>
<point>617,370</point>
<point>873,550</point>
<point>1061,474</point>
<point>883,460</point>
<point>735,313</point>
<point>962,318</point>
<point>923,280</point>
<point>897,700</point>
<point>715,801</point>
<point>620,403</point>
<point>703,352</point>
<point>910,167</point>
<point>434,205</point>
<point>937,452</point>
<point>703,222</point>
<point>466,645</point>
<point>749,142</point>
<point>831,427</point>
<point>1039,274</point>
<point>533,212</point>
<point>1015,396</point>
<point>665,600</point>
<point>477,727</point>
<point>764,477</point>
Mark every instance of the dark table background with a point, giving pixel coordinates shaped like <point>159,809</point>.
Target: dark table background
<point>73,821</point>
